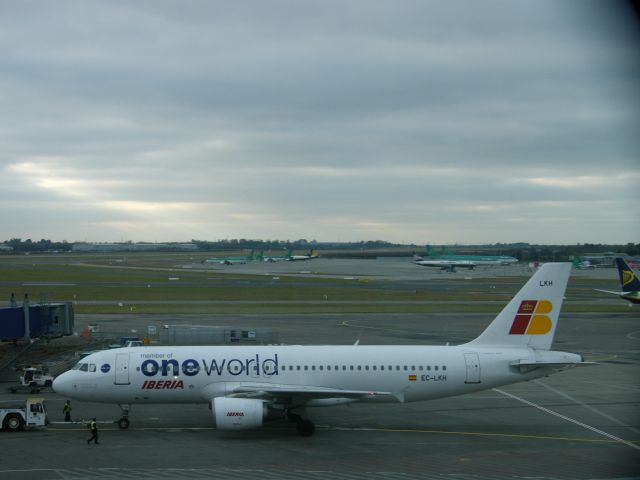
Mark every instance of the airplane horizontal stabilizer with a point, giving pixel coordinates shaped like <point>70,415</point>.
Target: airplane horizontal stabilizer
<point>526,366</point>
<point>612,292</point>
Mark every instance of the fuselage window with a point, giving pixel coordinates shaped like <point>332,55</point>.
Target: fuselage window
<point>350,367</point>
<point>328,367</point>
<point>420,367</point>
<point>306,367</point>
<point>444,367</point>
<point>313,367</point>
<point>405,368</point>
<point>436,368</point>
<point>428,368</point>
<point>359,367</point>
<point>413,367</point>
<point>297,367</point>
<point>366,367</point>
<point>337,368</point>
<point>390,367</point>
<point>381,367</point>
<point>321,367</point>
<point>397,367</point>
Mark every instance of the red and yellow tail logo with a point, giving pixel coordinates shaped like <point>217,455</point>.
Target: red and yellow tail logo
<point>531,318</point>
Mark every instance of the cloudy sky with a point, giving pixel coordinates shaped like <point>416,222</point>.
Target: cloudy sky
<point>406,121</point>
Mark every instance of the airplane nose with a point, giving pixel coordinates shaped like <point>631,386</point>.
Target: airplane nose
<point>62,384</point>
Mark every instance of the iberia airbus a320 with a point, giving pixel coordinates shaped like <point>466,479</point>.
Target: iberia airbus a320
<point>249,385</point>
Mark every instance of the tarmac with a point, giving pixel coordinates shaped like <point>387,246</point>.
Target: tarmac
<point>579,424</point>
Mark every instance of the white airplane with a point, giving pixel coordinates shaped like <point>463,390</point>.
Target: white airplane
<point>449,265</point>
<point>297,258</point>
<point>249,385</point>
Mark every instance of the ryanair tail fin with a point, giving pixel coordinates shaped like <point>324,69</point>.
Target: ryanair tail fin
<point>530,318</point>
<point>628,279</point>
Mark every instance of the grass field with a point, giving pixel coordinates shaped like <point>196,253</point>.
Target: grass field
<point>102,283</point>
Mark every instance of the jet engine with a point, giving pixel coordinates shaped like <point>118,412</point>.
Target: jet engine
<point>241,413</point>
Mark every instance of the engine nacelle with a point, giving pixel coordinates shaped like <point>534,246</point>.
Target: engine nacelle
<point>238,413</point>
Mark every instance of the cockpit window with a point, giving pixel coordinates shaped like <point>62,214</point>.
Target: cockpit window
<point>84,367</point>
<point>77,366</point>
<point>92,367</point>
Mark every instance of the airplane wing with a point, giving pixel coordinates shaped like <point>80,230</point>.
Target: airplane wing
<point>304,393</point>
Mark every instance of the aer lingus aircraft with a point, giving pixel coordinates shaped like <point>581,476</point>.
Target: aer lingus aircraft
<point>249,385</point>
<point>231,260</point>
<point>476,259</point>
<point>449,265</point>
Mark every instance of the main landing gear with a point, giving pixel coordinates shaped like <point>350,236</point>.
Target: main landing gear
<point>123,422</point>
<point>305,427</point>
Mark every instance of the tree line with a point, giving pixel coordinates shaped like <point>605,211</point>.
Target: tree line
<point>522,251</point>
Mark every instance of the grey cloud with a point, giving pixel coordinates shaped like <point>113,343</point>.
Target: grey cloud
<point>413,109</point>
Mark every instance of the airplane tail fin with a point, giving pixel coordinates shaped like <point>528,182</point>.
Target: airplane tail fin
<point>628,279</point>
<point>530,318</point>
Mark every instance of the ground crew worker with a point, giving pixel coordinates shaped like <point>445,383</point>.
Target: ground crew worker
<point>67,411</point>
<point>93,426</point>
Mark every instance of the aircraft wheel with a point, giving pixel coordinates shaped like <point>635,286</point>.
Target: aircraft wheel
<point>13,422</point>
<point>305,428</point>
<point>123,423</point>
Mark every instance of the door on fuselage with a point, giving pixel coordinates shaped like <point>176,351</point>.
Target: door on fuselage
<point>122,369</point>
<point>472,362</point>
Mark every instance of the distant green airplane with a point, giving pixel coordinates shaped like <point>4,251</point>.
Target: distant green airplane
<point>232,260</point>
<point>476,259</point>
<point>276,258</point>
<point>582,264</point>
<point>290,257</point>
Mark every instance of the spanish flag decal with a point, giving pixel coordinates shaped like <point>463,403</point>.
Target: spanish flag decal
<point>413,378</point>
<point>531,318</point>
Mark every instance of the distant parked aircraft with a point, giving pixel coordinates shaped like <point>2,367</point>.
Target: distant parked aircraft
<point>581,264</point>
<point>309,256</point>
<point>231,260</point>
<point>448,265</point>
<point>277,258</point>
<point>476,259</point>
<point>628,281</point>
